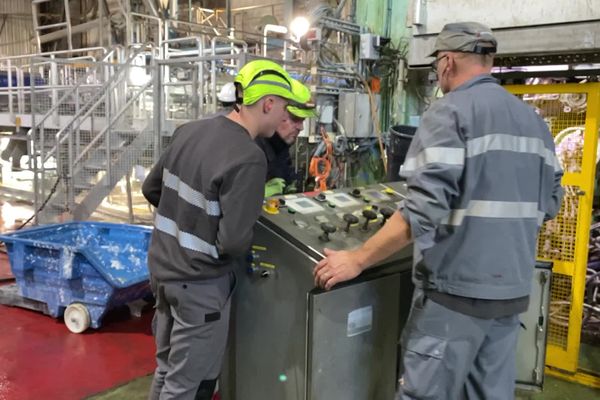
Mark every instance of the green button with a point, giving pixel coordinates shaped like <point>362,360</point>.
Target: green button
<point>331,205</point>
<point>291,211</point>
<point>366,200</point>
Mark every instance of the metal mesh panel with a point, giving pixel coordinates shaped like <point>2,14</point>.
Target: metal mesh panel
<point>560,307</point>
<point>556,240</point>
<point>565,115</point>
<point>563,240</point>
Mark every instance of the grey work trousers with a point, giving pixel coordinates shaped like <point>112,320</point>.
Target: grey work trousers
<point>448,355</point>
<point>191,323</point>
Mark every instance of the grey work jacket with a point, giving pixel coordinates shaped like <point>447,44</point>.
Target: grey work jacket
<point>482,176</point>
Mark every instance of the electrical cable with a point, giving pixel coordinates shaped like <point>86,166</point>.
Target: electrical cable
<point>52,191</point>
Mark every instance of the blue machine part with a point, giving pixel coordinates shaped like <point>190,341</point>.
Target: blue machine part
<point>4,77</point>
<point>100,265</point>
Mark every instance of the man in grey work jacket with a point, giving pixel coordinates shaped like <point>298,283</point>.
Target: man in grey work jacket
<point>208,190</point>
<point>482,177</point>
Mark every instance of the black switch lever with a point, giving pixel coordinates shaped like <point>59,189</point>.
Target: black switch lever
<point>386,213</point>
<point>369,216</point>
<point>327,229</point>
<point>350,220</point>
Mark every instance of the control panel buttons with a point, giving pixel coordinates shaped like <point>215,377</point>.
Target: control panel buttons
<point>300,223</point>
<point>386,213</point>
<point>327,229</point>
<point>321,218</point>
<point>320,197</point>
<point>369,215</point>
<point>281,202</point>
<point>355,193</point>
<point>272,206</point>
<point>350,219</point>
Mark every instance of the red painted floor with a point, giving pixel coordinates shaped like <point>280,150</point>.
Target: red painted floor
<point>41,359</point>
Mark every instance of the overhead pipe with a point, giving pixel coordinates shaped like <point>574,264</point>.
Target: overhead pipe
<point>276,29</point>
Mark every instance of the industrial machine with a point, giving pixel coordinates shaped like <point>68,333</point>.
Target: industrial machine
<point>292,341</point>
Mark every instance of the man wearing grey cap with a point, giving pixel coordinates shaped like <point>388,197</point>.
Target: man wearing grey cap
<point>482,177</point>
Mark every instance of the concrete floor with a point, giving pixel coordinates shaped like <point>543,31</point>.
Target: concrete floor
<point>554,389</point>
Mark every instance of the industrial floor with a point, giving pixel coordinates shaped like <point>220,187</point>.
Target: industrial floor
<point>41,359</point>
<point>554,390</point>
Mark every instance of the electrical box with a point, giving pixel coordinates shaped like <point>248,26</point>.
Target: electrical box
<point>325,113</point>
<point>354,114</point>
<point>369,45</point>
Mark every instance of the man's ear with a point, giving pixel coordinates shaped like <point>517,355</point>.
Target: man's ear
<point>267,104</point>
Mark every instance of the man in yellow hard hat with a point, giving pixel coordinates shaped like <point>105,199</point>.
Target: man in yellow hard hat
<point>281,176</point>
<point>208,190</point>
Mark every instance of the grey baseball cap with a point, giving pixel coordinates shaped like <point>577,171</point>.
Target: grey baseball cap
<point>466,37</point>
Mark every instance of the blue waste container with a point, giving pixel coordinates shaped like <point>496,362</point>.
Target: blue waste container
<point>80,269</point>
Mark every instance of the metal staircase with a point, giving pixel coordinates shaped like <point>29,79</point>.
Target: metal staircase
<point>101,143</point>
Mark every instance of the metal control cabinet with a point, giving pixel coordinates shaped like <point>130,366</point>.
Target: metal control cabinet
<point>531,348</point>
<point>291,341</point>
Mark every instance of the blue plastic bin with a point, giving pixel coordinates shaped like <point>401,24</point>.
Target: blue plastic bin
<point>80,269</point>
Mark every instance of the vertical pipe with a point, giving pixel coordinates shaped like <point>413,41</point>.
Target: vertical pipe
<point>20,91</point>
<point>158,109</point>
<point>108,133</point>
<point>36,180</point>
<point>129,197</point>
<point>213,75</point>
<point>10,94</point>
<point>54,83</point>
<point>228,16</point>
<point>70,168</point>
<point>68,21</point>
<point>195,99</point>
<point>78,137</point>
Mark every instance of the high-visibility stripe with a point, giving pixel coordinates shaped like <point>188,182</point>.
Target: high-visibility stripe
<point>517,144</point>
<point>190,195</point>
<point>434,155</point>
<point>274,83</point>
<point>185,239</point>
<point>493,209</point>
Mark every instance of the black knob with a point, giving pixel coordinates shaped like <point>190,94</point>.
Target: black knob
<point>320,197</point>
<point>327,229</point>
<point>350,219</point>
<point>355,193</point>
<point>386,212</point>
<point>281,203</point>
<point>369,216</point>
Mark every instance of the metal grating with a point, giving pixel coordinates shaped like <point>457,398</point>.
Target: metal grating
<point>556,240</point>
<point>560,308</point>
<point>565,115</point>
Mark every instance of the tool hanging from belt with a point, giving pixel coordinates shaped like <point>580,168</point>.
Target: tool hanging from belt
<point>320,166</point>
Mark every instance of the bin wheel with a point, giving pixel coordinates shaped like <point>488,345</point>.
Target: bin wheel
<point>77,318</point>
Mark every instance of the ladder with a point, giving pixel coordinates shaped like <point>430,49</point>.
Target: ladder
<point>39,29</point>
